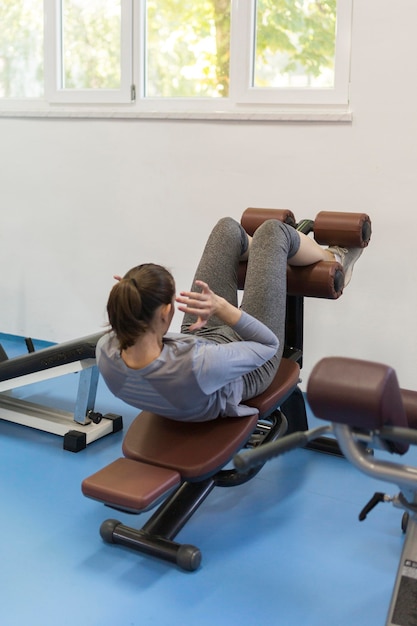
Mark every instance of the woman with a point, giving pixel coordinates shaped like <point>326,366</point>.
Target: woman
<point>224,354</point>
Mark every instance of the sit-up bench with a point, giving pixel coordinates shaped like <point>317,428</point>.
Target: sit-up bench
<point>176,465</point>
<point>82,426</point>
<point>368,412</point>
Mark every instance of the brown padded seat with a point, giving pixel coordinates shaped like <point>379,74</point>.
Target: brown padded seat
<point>362,394</point>
<point>356,392</point>
<point>286,378</point>
<point>156,440</point>
<point>194,449</point>
<point>130,485</point>
<point>159,452</point>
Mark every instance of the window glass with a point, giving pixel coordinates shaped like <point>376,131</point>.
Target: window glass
<point>91,44</point>
<point>21,48</point>
<point>187,48</point>
<point>295,44</point>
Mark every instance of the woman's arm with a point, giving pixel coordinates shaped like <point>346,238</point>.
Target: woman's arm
<point>217,364</point>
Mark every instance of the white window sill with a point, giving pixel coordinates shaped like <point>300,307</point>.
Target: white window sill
<point>339,115</point>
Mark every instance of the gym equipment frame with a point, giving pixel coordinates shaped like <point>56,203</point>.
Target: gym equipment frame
<point>368,412</point>
<point>79,428</point>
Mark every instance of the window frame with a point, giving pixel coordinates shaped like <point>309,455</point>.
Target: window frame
<point>244,101</point>
<point>243,45</point>
<point>54,69</point>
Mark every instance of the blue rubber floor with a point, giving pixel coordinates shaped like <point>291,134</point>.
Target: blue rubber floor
<point>286,548</point>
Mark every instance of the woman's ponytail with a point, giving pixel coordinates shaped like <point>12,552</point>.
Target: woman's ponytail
<point>133,300</point>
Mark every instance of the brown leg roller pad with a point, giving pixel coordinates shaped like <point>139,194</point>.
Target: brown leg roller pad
<point>252,218</point>
<point>351,230</point>
<point>324,279</point>
<point>321,280</point>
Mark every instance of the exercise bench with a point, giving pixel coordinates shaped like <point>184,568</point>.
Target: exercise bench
<point>83,425</point>
<point>367,413</point>
<point>175,465</point>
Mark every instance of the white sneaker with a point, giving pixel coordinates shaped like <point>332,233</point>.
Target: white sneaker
<point>347,258</point>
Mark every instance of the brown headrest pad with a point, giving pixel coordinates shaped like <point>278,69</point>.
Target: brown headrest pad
<point>252,218</point>
<point>351,230</point>
<point>359,393</point>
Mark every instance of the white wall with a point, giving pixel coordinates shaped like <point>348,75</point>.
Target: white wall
<point>83,199</point>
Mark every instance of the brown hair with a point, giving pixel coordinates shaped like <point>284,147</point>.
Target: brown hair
<point>133,300</point>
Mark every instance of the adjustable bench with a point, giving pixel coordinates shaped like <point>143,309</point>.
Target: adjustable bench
<point>176,465</point>
<point>368,413</point>
<point>79,428</point>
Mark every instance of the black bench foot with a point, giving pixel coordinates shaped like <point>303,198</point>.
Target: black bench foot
<point>186,556</point>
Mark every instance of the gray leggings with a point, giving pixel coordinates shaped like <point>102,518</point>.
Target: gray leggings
<point>265,292</point>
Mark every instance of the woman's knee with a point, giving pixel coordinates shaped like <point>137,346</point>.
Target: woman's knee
<point>271,228</point>
<point>227,224</point>
<point>274,234</point>
<point>228,230</point>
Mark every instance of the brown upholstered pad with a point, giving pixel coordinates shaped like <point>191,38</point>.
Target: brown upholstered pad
<point>194,449</point>
<point>352,230</point>
<point>409,399</point>
<point>319,280</point>
<point>360,393</point>
<point>285,381</point>
<point>130,485</point>
<point>253,218</point>
<point>324,279</point>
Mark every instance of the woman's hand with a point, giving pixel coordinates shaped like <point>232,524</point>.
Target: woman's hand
<point>205,304</point>
<point>202,305</point>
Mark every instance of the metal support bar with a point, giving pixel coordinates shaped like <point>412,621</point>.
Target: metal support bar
<point>403,608</point>
<point>86,396</point>
<point>173,514</point>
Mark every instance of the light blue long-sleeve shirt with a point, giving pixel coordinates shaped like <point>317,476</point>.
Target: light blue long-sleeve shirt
<point>193,379</point>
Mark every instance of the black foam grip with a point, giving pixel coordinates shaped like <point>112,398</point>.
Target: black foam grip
<point>258,456</point>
